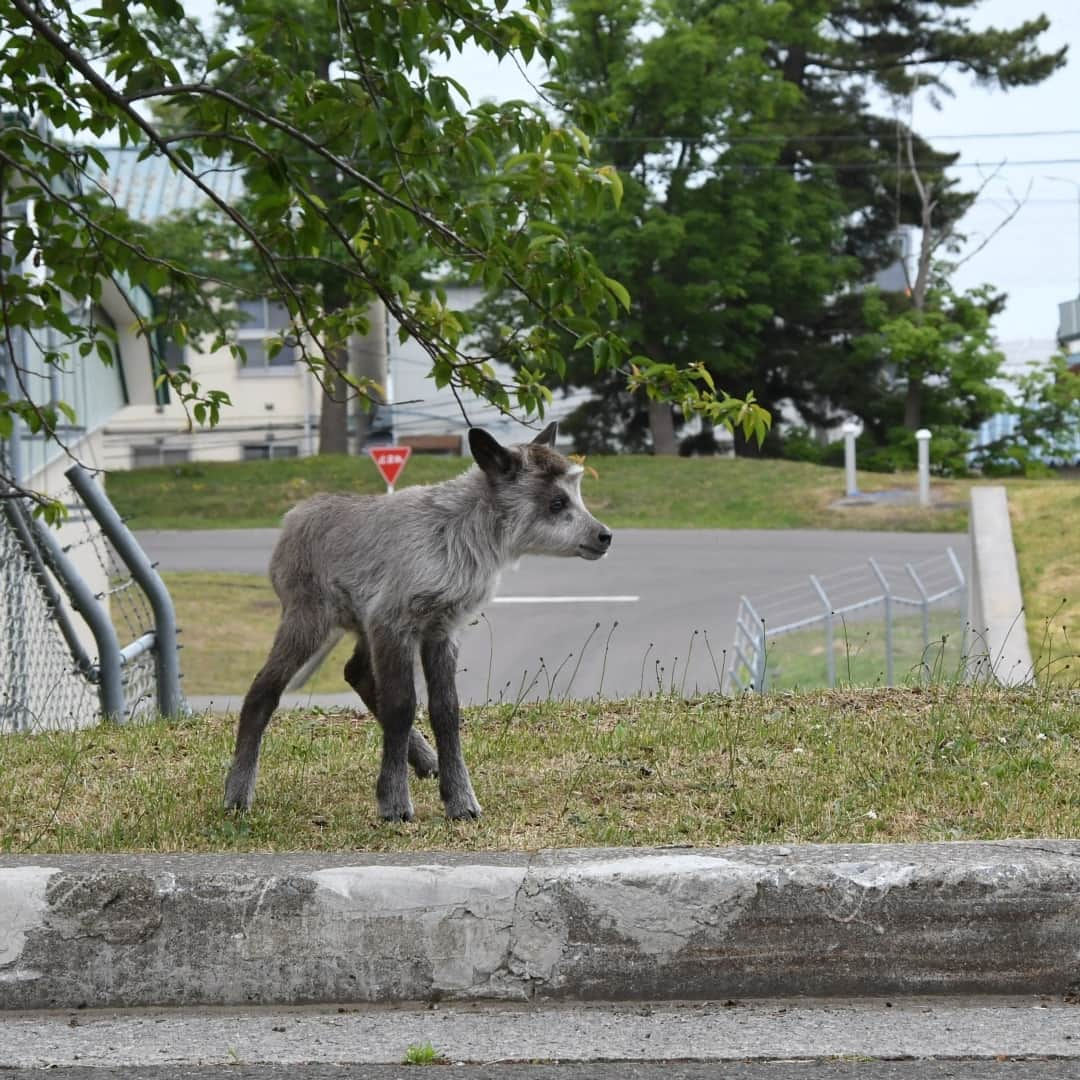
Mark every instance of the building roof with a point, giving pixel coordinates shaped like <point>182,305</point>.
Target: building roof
<point>153,188</point>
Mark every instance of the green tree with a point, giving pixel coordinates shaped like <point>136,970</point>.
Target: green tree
<point>946,347</point>
<point>768,177</point>
<point>378,120</point>
<point>714,237</point>
<point>1047,411</point>
<point>845,59</point>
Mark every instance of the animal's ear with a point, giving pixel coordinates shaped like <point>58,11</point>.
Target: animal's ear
<point>493,458</point>
<point>547,436</point>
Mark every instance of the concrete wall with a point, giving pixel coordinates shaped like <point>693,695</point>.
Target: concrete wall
<point>997,645</point>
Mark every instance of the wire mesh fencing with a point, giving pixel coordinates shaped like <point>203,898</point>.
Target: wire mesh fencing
<point>80,634</point>
<point>876,623</point>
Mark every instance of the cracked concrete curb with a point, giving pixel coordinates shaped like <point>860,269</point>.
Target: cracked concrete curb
<point>121,931</point>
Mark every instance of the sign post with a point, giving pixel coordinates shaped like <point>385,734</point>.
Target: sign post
<point>390,460</point>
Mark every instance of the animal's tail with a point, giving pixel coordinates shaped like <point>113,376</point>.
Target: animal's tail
<point>316,662</point>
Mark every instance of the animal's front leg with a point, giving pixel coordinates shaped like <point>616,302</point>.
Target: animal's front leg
<point>393,663</point>
<point>439,659</point>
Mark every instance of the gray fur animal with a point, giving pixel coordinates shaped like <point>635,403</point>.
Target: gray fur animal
<point>404,573</point>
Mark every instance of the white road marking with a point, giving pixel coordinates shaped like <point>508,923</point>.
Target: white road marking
<point>566,599</point>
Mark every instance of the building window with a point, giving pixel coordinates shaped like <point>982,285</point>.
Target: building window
<point>269,450</point>
<point>259,320</point>
<point>174,354</point>
<point>145,457</point>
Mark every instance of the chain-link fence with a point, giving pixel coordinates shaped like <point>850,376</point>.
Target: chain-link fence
<point>875,623</point>
<point>81,632</point>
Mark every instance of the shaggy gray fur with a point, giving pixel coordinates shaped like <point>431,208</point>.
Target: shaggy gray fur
<point>403,573</point>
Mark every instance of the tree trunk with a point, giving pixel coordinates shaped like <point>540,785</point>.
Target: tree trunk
<point>913,402</point>
<point>334,415</point>
<point>368,361</point>
<point>662,425</point>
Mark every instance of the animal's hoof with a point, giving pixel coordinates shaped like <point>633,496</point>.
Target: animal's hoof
<point>239,794</point>
<point>422,756</point>
<point>466,810</point>
<point>397,814</point>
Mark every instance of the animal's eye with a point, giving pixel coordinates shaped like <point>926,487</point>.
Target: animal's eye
<point>557,505</point>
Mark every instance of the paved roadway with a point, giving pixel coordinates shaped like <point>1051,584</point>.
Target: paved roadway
<point>658,585</point>
<point>1028,1038</point>
<point>826,1069</point>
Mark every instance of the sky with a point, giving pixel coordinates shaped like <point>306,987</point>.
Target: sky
<point>1036,257</point>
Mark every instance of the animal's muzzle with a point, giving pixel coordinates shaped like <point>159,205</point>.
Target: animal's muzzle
<point>598,545</point>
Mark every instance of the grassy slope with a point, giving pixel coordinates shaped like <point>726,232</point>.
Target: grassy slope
<point>1046,531</point>
<point>629,491</point>
<point>845,766</point>
<point>227,624</point>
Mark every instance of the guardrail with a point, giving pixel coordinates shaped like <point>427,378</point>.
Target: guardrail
<point>829,599</point>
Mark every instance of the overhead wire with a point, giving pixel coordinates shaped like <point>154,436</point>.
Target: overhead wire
<point>822,137</point>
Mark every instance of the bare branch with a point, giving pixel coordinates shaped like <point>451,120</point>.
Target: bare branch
<point>1018,205</point>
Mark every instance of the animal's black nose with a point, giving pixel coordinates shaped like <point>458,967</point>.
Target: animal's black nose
<point>603,538</point>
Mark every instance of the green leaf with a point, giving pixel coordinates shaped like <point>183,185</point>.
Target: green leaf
<point>618,291</point>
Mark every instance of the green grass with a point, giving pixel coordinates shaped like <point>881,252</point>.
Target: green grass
<point>1046,531</point>
<point>628,491</point>
<point>423,1054</point>
<point>800,659</point>
<point>227,624</point>
<point>844,766</point>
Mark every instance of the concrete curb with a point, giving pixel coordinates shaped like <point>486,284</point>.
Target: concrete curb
<point>997,635</point>
<point>118,930</point>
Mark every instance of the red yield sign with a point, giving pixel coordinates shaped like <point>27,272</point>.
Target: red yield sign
<point>390,460</point>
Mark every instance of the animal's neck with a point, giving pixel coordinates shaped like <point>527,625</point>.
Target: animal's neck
<point>479,526</point>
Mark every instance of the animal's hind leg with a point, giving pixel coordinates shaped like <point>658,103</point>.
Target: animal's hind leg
<point>359,675</point>
<point>297,639</point>
<point>392,663</point>
<point>439,658</point>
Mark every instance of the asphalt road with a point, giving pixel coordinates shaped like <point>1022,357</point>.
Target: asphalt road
<point>626,621</point>
<point>1019,1038</point>
<point>1029,1069</point>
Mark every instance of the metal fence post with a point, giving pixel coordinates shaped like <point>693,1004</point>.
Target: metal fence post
<point>749,648</point>
<point>887,598</point>
<point>170,701</point>
<point>962,583</point>
<point>16,518</point>
<point>830,652</point>
<point>924,607</point>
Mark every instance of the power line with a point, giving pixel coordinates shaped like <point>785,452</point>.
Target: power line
<point>877,166</point>
<point>795,136</point>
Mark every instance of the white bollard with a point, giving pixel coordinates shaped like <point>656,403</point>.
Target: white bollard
<point>923,437</point>
<point>850,430</point>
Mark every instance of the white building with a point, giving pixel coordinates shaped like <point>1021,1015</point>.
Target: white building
<point>276,401</point>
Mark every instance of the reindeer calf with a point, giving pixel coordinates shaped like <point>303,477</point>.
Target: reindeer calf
<point>404,573</point>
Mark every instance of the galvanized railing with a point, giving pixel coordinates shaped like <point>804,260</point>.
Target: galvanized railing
<point>826,601</point>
